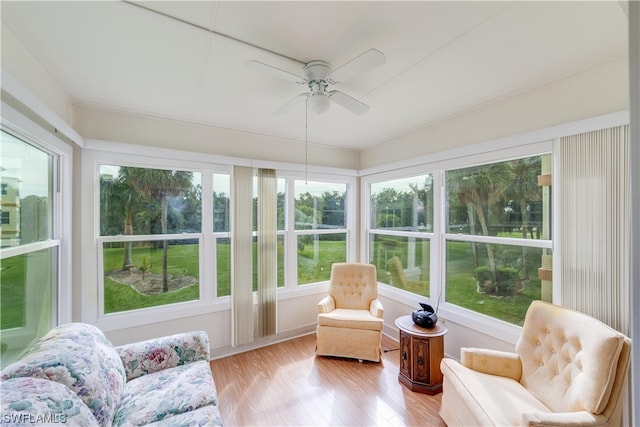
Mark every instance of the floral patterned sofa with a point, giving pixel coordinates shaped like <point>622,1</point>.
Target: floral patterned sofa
<point>74,375</point>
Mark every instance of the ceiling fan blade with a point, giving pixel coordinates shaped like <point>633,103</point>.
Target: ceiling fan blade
<point>348,102</point>
<point>364,62</point>
<point>290,104</point>
<point>277,72</point>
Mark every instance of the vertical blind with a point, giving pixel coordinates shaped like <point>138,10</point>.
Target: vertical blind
<point>241,255</point>
<point>242,304</point>
<point>596,223</point>
<point>267,251</point>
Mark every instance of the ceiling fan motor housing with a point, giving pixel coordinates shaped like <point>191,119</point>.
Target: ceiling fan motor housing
<point>317,70</point>
<point>317,75</point>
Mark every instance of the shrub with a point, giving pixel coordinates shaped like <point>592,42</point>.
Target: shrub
<point>483,275</point>
<point>505,284</point>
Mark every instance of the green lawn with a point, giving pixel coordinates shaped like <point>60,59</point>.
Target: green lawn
<point>12,292</point>
<point>181,260</point>
<point>461,284</point>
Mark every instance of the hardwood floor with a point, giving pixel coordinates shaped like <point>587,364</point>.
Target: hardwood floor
<point>287,385</point>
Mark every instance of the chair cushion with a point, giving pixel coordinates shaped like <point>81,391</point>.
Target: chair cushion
<point>167,393</point>
<point>569,359</point>
<point>487,399</point>
<point>38,401</point>
<point>354,319</point>
<point>79,356</point>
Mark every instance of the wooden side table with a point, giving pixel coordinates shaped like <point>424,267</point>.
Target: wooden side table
<point>421,351</point>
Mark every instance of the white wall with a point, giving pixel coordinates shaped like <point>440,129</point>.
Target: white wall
<point>598,91</point>
<point>17,60</point>
<point>108,125</point>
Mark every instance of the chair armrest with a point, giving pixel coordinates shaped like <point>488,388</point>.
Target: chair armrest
<point>326,304</point>
<point>566,419</point>
<point>492,362</point>
<point>156,354</point>
<point>376,309</point>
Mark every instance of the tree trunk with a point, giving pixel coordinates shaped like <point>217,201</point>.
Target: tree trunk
<point>128,231</point>
<point>165,247</point>
<point>472,230</point>
<point>523,212</point>
<point>490,253</point>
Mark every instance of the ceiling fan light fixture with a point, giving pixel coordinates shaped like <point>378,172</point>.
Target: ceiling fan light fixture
<point>319,103</point>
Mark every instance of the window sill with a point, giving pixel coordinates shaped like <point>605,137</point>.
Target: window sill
<point>481,323</point>
<point>146,316</point>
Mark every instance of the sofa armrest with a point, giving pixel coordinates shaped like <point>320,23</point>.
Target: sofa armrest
<point>326,304</point>
<point>563,419</point>
<point>492,362</point>
<point>156,354</point>
<point>376,309</point>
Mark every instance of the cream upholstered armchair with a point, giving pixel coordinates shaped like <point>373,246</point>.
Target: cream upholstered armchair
<point>350,317</point>
<point>569,369</point>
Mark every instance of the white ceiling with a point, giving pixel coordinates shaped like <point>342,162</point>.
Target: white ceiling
<point>188,62</point>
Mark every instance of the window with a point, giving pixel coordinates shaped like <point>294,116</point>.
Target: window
<point>498,232</point>
<point>400,232</point>
<point>472,233</point>
<point>221,235</point>
<point>30,253</point>
<point>150,236</point>
<point>320,228</point>
<point>130,237</point>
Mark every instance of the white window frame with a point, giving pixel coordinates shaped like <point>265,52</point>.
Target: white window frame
<point>490,152</point>
<point>291,234</point>
<point>427,235</point>
<point>98,153</point>
<point>25,128</point>
<point>207,301</point>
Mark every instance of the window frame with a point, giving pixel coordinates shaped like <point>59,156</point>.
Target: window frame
<point>96,153</point>
<point>25,128</point>
<point>426,235</point>
<point>207,302</point>
<point>291,234</point>
<point>484,153</point>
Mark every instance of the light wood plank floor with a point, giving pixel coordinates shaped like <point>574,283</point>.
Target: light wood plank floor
<point>287,385</point>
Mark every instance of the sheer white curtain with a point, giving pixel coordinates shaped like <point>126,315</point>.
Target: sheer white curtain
<point>595,225</point>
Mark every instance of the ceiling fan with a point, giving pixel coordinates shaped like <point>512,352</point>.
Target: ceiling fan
<point>319,75</point>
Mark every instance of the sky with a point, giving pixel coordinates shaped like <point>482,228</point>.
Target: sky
<point>27,163</point>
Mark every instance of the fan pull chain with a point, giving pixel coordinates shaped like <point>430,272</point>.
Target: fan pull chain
<point>306,142</point>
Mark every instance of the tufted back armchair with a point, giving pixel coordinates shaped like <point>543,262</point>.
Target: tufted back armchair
<point>350,317</point>
<point>353,285</point>
<point>568,369</point>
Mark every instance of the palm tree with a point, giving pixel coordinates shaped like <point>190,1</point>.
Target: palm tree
<point>118,198</point>
<point>476,187</point>
<point>524,188</point>
<point>159,185</point>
